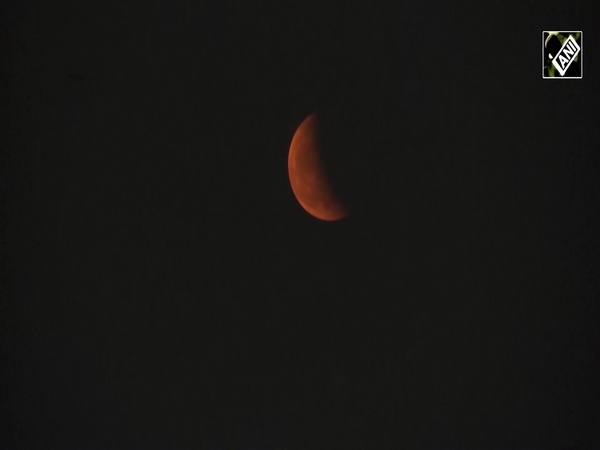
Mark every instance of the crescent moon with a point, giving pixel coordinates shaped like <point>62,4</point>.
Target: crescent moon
<point>308,177</point>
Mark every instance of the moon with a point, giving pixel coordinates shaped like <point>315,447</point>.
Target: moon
<point>309,179</point>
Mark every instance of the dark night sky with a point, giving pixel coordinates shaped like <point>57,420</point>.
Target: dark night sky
<point>162,288</point>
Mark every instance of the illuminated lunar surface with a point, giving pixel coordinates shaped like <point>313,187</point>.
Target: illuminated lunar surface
<point>308,177</point>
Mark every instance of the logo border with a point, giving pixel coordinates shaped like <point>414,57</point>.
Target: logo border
<point>581,56</point>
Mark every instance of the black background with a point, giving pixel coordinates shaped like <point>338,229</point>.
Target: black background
<point>162,287</point>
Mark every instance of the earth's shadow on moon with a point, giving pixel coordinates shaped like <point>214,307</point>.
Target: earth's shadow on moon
<point>344,137</point>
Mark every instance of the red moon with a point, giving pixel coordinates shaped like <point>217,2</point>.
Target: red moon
<point>308,176</point>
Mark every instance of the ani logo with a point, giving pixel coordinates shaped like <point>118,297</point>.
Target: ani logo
<point>562,54</point>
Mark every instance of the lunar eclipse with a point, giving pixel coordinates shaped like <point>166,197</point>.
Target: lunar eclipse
<point>309,179</point>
